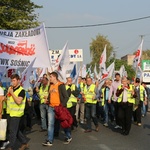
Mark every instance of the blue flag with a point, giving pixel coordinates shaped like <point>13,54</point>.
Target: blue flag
<point>74,72</point>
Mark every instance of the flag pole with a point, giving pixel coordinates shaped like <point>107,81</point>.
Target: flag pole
<point>81,64</point>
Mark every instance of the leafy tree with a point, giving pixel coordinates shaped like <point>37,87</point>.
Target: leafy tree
<point>18,14</point>
<point>146,54</point>
<point>97,46</point>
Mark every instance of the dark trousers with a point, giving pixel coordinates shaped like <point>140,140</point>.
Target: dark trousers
<point>125,116</point>
<point>99,110</point>
<point>72,111</point>
<point>137,114</point>
<point>37,108</point>
<point>29,114</point>
<point>14,132</point>
<point>116,113</point>
<point>90,112</point>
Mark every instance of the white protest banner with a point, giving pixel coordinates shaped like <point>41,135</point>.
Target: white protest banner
<point>19,47</point>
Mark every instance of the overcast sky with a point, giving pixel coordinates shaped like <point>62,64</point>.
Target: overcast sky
<point>124,37</point>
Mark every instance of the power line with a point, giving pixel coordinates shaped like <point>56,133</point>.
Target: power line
<point>100,24</point>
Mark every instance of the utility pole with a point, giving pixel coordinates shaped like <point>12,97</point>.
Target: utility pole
<point>141,37</point>
<point>114,52</point>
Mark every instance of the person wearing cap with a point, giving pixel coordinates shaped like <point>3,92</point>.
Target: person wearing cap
<point>141,97</point>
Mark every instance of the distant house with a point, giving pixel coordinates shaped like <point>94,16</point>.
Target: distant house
<point>128,58</point>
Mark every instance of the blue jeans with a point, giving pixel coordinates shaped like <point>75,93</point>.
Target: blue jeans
<point>143,110</point>
<point>90,112</point>
<point>43,111</point>
<point>67,132</point>
<point>51,121</point>
<point>108,107</point>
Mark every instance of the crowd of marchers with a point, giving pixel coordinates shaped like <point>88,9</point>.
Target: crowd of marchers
<point>119,102</point>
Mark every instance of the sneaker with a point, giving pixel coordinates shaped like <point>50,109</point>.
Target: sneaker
<point>118,127</point>
<point>105,124</point>
<point>139,124</point>
<point>4,145</point>
<point>47,143</point>
<point>81,122</point>
<point>67,140</point>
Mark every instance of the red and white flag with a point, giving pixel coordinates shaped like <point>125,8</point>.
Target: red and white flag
<point>62,63</point>
<point>61,59</point>
<point>137,58</point>
<point>102,61</point>
<point>111,70</point>
<point>25,76</point>
<point>40,77</point>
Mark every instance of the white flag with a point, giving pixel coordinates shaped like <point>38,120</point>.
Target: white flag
<point>83,71</point>
<point>122,71</point>
<point>25,82</point>
<point>110,70</point>
<point>137,58</point>
<point>102,61</point>
<point>38,81</point>
<point>61,59</point>
<point>139,73</point>
<point>95,72</point>
<point>62,63</point>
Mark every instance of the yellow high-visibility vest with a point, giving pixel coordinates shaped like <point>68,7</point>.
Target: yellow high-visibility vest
<point>43,93</point>
<point>103,96</point>
<point>16,110</point>
<point>69,102</point>
<point>142,89</point>
<point>72,97</point>
<point>130,98</point>
<point>89,94</point>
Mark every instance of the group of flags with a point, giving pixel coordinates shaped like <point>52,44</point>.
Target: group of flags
<point>63,62</point>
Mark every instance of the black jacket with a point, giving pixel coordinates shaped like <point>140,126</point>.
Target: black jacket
<point>63,94</point>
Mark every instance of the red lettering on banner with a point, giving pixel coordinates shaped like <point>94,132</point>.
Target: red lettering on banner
<point>20,49</point>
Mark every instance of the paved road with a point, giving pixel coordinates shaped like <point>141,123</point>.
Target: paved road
<point>105,139</point>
